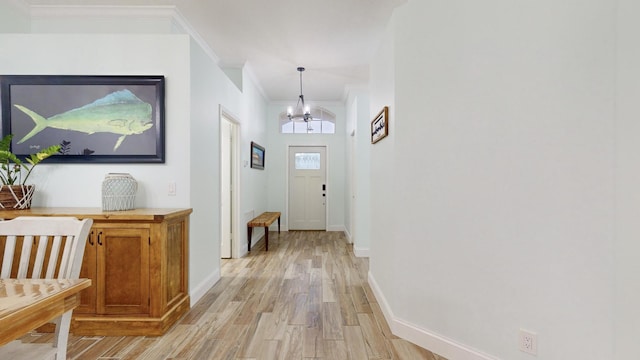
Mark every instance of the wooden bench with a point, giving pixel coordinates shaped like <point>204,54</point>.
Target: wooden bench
<point>263,220</point>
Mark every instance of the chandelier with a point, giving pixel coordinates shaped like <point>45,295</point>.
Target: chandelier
<point>302,111</point>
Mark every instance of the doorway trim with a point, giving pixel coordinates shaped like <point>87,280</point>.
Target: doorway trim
<point>235,175</point>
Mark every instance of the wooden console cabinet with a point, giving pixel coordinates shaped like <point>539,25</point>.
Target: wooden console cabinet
<point>137,261</point>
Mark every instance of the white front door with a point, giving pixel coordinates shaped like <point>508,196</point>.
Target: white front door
<point>307,188</point>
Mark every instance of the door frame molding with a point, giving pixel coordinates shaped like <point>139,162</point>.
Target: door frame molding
<point>235,174</point>
<point>326,174</point>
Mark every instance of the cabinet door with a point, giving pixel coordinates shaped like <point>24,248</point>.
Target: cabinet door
<point>88,270</point>
<point>123,271</point>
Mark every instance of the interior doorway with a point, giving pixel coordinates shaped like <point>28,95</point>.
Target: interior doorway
<point>229,184</point>
<point>308,188</point>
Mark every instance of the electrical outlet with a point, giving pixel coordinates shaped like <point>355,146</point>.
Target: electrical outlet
<point>528,342</point>
<point>172,188</point>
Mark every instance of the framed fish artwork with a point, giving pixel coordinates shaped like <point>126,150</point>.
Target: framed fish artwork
<point>94,119</point>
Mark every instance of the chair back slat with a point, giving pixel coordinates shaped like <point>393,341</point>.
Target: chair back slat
<point>7,260</point>
<point>39,262</point>
<point>65,264</point>
<point>27,241</point>
<point>63,237</point>
<point>53,256</point>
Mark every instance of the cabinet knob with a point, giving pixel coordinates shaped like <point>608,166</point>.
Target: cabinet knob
<point>91,239</point>
<point>100,238</point>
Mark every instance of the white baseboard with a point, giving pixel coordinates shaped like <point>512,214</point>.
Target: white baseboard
<point>361,252</point>
<point>202,288</point>
<point>336,228</point>
<point>427,339</point>
<point>348,235</point>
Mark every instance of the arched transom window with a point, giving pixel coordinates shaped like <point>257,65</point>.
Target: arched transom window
<point>324,122</point>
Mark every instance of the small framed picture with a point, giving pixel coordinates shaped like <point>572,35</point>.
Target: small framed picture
<point>380,125</point>
<point>257,156</point>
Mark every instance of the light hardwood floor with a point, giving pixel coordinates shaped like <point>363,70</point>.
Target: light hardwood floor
<point>306,298</point>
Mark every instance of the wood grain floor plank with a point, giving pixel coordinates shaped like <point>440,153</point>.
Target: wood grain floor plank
<point>256,335</point>
<point>230,346</point>
<point>313,343</point>
<point>270,350</point>
<point>355,342</point>
<point>336,349</point>
<point>142,346</point>
<point>100,348</point>
<point>292,343</point>
<point>174,341</point>
<point>248,313</point>
<point>347,311</point>
<point>298,312</point>
<point>407,350</point>
<point>122,347</point>
<point>221,326</point>
<point>373,337</point>
<point>328,290</point>
<point>205,303</point>
<point>76,348</point>
<point>313,340</point>
<point>331,321</point>
<point>360,301</point>
<point>382,323</point>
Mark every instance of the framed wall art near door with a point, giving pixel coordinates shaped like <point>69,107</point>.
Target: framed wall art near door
<point>380,125</point>
<point>95,119</point>
<point>257,156</point>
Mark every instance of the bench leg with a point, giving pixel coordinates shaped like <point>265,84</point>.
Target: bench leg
<point>266,238</point>
<point>249,239</point>
<point>278,224</point>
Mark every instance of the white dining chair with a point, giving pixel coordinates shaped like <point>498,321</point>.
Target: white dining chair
<point>55,242</point>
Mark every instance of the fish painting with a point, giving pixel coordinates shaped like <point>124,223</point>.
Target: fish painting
<point>120,112</point>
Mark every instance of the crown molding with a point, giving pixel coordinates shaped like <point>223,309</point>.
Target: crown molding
<point>101,11</point>
<point>169,12</point>
<point>248,70</point>
<point>181,20</point>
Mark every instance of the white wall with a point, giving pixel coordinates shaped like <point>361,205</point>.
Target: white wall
<point>384,247</point>
<point>627,200</point>
<point>503,190</point>
<point>209,89</point>
<point>276,163</point>
<point>255,194</point>
<point>351,109</point>
<point>14,17</point>
<point>358,149</point>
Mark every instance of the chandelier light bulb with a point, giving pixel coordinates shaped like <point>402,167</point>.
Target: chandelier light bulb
<point>289,110</point>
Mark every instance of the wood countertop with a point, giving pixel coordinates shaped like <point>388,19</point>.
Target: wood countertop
<point>97,214</point>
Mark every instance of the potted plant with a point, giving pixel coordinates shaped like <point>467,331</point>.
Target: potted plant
<point>14,172</point>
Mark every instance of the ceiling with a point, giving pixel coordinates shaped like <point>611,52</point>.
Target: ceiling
<point>334,40</point>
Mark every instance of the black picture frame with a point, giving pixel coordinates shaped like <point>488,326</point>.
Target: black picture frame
<point>96,118</point>
<point>257,156</point>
